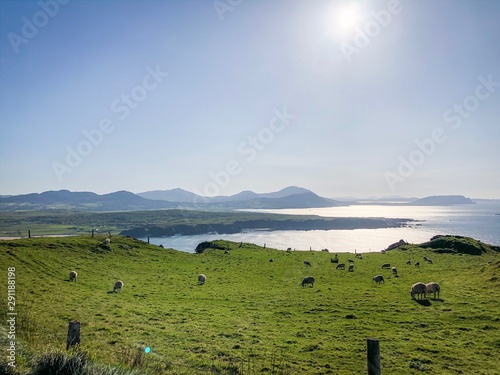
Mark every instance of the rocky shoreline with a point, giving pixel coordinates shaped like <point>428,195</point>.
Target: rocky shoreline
<point>270,225</point>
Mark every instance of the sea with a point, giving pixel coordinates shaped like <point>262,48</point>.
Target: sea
<point>480,221</point>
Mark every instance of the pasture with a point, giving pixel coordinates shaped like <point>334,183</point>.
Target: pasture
<point>252,316</point>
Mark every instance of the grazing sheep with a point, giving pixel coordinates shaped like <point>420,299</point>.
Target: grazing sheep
<point>308,280</point>
<point>433,287</point>
<point>271,260</point>
<point>386,265</point>
<point>107,241</point>
<point>359,256</point>
<point>307,263</point>
<point>378,279</point>
<point>350,260</point>
<point>226,251</point>
<point>118,286</point>
<point>201,279</point>
<point>72,276</point>
<point>351,267</point>
<point>417,264</point>
<point>419,289</point>
<point>408,262</point>
<point>394,271</point>
<point>340,266</point>
<point>429,260</point>
<point>425,258</point>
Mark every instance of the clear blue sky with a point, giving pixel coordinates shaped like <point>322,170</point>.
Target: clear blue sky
<point>346,98</point>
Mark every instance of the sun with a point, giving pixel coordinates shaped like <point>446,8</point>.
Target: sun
<point>347,19</point>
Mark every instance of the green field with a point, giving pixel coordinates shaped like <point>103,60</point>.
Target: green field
<point>252,316</point>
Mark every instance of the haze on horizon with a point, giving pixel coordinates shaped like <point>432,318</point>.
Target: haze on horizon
<point>345,98</point>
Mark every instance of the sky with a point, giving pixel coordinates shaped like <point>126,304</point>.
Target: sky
<point>345,98</point>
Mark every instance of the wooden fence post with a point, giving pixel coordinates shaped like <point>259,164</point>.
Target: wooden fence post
<point>148,239</point>
<point>29,233</point>
<point>92,232</point>
<point>373,356</point>
<point>73,334</point>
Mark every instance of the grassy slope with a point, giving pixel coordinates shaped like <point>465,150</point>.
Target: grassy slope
<point>252,313</point>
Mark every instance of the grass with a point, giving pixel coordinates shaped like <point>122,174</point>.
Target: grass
<point>252,316</point>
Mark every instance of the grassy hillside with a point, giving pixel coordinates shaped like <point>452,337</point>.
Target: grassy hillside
<point>252,316</point>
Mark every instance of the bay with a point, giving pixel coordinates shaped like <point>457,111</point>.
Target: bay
<point>480,221</point>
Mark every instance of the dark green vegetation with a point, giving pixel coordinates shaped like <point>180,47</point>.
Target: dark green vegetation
<point>170,222</point>
<point>252,316</point>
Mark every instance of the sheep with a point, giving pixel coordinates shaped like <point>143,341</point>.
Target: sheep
<point>308,280</point>
<point>72,276</point>
<point>429,260</point>
<point>359,256</point>
<point>340,266</point>
<point>378,279</point>
<point>394,271</point>
<point>425,258</point>
<point>107,241</point>
<point>350,260</point>
<point>417,264</point>
<point>351,267</point>
<point>419,289</point>
<point>386,265</point>
<point>118,286</point>
<point>408,262</point>
<point>201,279</point>
<point>271,260</point>
<point>433,287</point>
<point>226,251</point>
<point>307,263</point>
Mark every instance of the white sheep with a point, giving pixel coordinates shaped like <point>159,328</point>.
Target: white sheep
<point>201,279</point>
<point>433,287</point>
<point>394,271</point>
<point>340,266</point>
<point>308,280</point>
<point>107,241</point>
<point>118,286</point>
<point>378,279</point>
<point>408,262</point>
<point>351,268</point>
<point>307,263</point>
<point>72,276</point>
<point>429,260</point>
<point>419,289</point>
<point>386,265</point>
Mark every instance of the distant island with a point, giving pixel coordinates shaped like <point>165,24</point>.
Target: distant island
<point>442,200</point>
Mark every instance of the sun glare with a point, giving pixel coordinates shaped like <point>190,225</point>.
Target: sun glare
<point>347,19</point>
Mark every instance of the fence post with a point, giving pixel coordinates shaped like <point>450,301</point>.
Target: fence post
<point>373,356</point>
<point>148,239</point>
<point>92,232</point>
<point>29,233</point>
<point>73,334</point>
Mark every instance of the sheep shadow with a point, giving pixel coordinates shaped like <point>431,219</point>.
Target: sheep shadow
<point>423,302</point>
<point>111,292</point>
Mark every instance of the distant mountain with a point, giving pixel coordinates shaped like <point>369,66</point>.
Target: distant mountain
<point>442,200</point>
<point>180,195</point>
<point>65,199</point>
<point>301,200</point>
<point>173,195</point>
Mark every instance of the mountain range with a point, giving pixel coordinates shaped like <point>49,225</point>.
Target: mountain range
<point>290,197</point>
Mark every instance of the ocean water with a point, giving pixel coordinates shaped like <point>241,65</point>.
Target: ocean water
<point>480,221</point>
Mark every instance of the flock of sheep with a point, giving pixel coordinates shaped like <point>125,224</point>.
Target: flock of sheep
<point>418,289</point>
